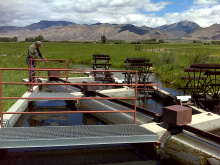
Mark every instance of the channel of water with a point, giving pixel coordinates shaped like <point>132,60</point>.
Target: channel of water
<point>137,154</point>
<point>151,103</point>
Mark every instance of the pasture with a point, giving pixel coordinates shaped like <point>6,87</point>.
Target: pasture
<point>169,60</point>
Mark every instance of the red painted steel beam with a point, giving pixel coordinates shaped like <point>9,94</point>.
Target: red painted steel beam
<point>135,103</point>
<point>48,76</point>
<point>49,59</point>
<point>81,84</point>
<point>68,98</point>
<point>59,69</point>
<point>70,112</point>
<point>1,102</point>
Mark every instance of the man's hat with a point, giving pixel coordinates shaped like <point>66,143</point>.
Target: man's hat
<point>38,43</point>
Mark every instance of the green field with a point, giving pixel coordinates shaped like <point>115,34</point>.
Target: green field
<point>169,60</point>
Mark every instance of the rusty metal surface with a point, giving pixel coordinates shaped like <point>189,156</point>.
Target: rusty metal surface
<point>89,88</point>
<point>53,75</point>
<point>176,115</point>
<point>195,70</point>
<point>136,65</point>
<point>202,133</point>
<point>102,61</point>
<point>212,73</point>
<point>192,78</point>
<point>142,65</point>
<point>205,66</point>
<point>100,55</point>
<point>1,101</point>
<point>137,60</point>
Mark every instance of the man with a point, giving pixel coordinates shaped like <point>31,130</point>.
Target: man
<point>33,53</point>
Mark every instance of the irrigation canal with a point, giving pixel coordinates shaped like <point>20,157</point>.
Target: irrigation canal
<point>101,154</point>
<point>105,154</point>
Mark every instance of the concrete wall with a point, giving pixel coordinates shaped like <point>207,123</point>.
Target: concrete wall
<point>206,122</point>
<point>187,147</point>
<point>120,92</point>
<point>166,96</point>
<point>79,79</point>
<point>10,119</point>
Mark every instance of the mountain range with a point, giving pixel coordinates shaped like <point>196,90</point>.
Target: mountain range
<point>62,30</point>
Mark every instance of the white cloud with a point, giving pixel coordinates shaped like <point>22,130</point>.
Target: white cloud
<point>137,12</point>
<point>205,16</point>
<point>206,2</point>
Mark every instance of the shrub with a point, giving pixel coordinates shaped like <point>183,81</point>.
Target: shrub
<point>199,56</point>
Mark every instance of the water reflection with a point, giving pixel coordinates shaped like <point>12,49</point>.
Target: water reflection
<point>47,120</point>
<point>54,119</point>
<point>153,78</point>
<point>120,154</point>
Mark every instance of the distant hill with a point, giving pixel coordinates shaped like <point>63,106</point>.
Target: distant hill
<point>8,29</point>
<point>62,30</point>
<point>205,34</point>
<point>177,30</point>
<point>47,24</point>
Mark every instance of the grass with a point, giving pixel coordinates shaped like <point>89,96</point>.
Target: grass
<point>169,60</point>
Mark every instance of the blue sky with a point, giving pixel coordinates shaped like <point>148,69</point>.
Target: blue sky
<point>151,13</point>
<point>174,6</point>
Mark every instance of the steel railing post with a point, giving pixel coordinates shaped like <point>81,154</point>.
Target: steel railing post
<point>66,75</point>
<point>32,75</point>
<point>29,73</point>
<point>135,103</point>
<point>1,98</point>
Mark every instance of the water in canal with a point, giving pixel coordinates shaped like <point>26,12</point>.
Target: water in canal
<point>153,78</point>
<point>137,154</point>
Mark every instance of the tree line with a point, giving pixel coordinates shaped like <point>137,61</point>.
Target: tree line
<point>150,41</point>
<point>31,39</point>
<point>215,42</point>
<point>28,39</point>
<point>8,39</point>
<point>103,40</point>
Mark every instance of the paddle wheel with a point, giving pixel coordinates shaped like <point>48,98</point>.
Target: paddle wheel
<point>101,61</point>
<point>203,84</point>
<point>142,65</point>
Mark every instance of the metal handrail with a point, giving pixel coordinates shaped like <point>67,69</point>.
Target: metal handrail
<point>71,98</point>
<point>33,69</point>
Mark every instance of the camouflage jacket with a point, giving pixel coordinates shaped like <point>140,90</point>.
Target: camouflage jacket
<point>34,52</point>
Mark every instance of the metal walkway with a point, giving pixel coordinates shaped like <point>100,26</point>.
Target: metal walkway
<point>27,137</point>
<point>51,96</point>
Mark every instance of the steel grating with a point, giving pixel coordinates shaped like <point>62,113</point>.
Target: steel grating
<point>26,137</point>
<point>51,96</point>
